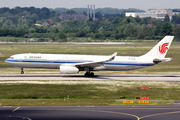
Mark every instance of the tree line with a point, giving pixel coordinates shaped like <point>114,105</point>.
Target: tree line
<point>101,10</point>
<point>20,22</point>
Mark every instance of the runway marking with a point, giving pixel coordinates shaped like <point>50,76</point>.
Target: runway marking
<point>138,118</point>
<point>121,113</point>
<point>113,113</point>
<point>15,109</point>
<point>20,117</point>
<point>159,114</point>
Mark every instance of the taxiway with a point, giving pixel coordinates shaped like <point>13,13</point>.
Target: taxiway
<point>168,78</point>
<point>165,112</point>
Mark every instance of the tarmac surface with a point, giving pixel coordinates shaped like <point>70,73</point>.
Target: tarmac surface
<point>168,78</point>
<point>164,112</point>
<point>128,112</point>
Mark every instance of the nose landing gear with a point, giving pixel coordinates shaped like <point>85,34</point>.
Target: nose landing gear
<point>22,72</point>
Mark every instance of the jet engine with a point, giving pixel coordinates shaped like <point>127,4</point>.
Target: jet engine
<point>65,69</point>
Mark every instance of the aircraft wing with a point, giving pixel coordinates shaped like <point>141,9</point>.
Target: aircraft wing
<point>96,63</point>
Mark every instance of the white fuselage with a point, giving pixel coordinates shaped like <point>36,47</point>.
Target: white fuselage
<point>54,61</point>
<point>69,64</point>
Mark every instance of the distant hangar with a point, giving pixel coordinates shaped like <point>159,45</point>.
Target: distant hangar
<point>158,14</point>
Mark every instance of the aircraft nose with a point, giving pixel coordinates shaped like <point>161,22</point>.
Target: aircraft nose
<point>7,60</point>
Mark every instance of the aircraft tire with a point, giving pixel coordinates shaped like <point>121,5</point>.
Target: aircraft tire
<point>86,74</point>
<point>91,74</point>
<point>22,72</point>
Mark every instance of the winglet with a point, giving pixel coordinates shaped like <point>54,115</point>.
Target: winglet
<point>112,57</point>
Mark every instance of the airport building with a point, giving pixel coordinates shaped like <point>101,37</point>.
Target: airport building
<point>141,14</point>
<point>167,12</point>
<point>158,14</point>
<point>176,13</point>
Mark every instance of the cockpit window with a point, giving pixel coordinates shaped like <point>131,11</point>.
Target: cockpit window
<point>11,58</point>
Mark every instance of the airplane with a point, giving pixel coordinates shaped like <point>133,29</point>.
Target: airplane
<point>72,64</point>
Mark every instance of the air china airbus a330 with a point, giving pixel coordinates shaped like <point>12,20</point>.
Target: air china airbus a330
<point>70,64</point>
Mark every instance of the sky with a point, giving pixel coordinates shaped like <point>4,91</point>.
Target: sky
<point>120,4</point>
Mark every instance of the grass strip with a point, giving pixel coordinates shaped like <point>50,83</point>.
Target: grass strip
<point>71,102</point>
<point>99,89</point>
<point>55,102</point>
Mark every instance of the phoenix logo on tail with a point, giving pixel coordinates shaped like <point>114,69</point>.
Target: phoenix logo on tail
<point>163,48</point>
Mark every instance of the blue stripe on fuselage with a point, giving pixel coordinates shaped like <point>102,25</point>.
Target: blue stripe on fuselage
<point>133,64</point>
<point>74,62</point>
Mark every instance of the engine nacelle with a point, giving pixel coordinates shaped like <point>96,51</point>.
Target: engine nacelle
<point>68,69</point>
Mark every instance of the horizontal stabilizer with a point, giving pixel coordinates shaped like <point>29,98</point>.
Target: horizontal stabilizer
<point>163,60</point>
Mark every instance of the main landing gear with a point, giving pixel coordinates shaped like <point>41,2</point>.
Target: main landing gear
<point>22,72</point>
<point>88,73</point>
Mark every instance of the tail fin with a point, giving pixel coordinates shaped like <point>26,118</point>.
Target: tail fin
<point>160,50</point>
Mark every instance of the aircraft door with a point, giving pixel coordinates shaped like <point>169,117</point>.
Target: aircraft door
<point>139,61</point>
